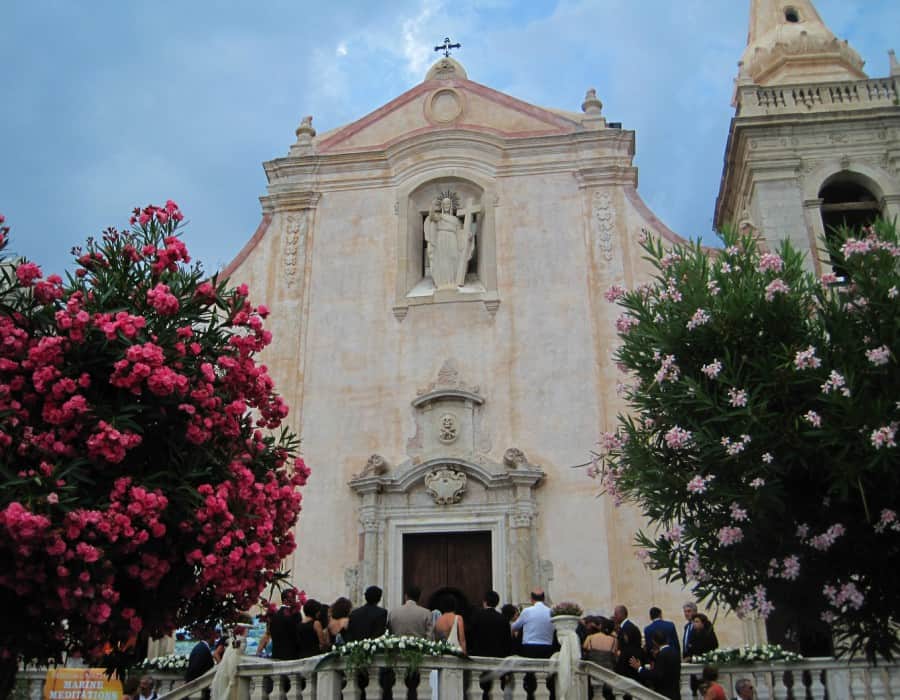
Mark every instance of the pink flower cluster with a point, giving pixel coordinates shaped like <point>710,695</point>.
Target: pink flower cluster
<point>737,398</point>
<point>757,603</point>
<point>848,595</point>
<point>869,244</point>
<point>674,533</point>
<point>836,382</point>
<point>825,541</point>
<point>737,513</point>
<point>813,418</point>
<point>729,535</point>
<point>776,286</point>
<point>699,483</point>
<point>668,370</point>
<point>614,293</point>
<point>110,444</point>
<point>712,369</point>
<point>770,262</point>
<point>161,299</point>
<point>806,359</point>
<point>883,437</point>
<point>736,446</point>
<point>27,273</point>
<point>887,521</point>
<point>879,356</point>
<point>170,213</point>
<point>625,322</point>
<point>677,438</point>
<point>610,485</point>
<point>700,317</point>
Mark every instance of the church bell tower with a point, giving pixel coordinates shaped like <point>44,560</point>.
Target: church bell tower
<point>814,142</point>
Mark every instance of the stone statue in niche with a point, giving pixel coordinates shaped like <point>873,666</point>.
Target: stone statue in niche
<point>451,242</point>
<point>445,485</point>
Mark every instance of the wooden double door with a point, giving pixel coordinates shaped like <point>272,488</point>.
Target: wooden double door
<point>454,563</point>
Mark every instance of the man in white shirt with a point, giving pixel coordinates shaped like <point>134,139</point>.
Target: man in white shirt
<point>537,630</point>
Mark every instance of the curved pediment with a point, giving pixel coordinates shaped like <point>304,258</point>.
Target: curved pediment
<point>441,104</point>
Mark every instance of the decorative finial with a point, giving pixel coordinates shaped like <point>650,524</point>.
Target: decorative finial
<point>446,46</point>
<point>895,65</point>
<point>305,131</point>
<point>592,107</point>
<point>591,104</point>
<point>304,145</point>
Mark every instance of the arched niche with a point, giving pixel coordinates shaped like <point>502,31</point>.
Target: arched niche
<point>845,190</point>
<point>416,198</point>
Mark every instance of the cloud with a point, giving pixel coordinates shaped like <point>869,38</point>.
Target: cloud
<point>418,49</point>
<point>341,49</point>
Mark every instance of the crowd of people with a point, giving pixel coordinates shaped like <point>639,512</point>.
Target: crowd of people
<point>616,643</point>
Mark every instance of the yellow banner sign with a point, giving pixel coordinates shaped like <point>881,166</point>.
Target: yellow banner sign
<point>81,684</point>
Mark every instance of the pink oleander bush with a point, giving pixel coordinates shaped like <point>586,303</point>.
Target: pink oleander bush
<point>761,437</point>
<point>146,480</point>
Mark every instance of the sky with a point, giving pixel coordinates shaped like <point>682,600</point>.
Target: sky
<point>109,105</point>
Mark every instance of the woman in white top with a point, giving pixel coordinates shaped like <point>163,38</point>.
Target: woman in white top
<point>449,625</point>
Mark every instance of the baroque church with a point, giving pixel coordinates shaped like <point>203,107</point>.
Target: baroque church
<point>436,272</point>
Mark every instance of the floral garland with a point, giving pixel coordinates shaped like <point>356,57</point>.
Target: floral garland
<point>170,663</point>
<point>747,655</point>
<point>404,649</point>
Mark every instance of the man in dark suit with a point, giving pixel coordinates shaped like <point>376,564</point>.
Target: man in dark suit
<point>629,639</point>
<point>367,621</point>
<point>283,630</point>
<point>668,628</point>
<point>664,674</point>
<point>689,609</point>
<point>489,633</point>
<point>201,658</point>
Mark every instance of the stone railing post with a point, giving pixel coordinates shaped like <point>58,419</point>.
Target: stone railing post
<point>243,688</point>
<point>450,684</point>
<point>328,685</point>
<point>837,680</point>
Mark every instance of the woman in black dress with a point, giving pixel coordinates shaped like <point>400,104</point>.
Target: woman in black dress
<point>703,636</point>
<point>307,634</point>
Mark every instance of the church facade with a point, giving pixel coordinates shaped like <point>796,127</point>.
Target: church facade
<point>436,273</point>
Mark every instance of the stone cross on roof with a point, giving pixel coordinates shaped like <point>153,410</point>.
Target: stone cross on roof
<point>446,46</point>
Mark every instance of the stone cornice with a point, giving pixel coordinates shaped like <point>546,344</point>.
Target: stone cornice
<point>406,476</point>
<point>291,200</point>
<point>460,394</point>
<point>604,155</point>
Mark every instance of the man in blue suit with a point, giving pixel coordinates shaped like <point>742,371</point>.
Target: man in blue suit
<point>201,658</point>
<point>666,627</point>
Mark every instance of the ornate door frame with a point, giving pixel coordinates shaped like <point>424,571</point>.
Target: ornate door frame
<point>494,497</point>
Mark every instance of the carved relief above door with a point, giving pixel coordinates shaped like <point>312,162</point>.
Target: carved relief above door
<point>449,486</point>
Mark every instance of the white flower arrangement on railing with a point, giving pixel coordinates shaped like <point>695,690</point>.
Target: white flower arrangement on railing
<point>405,650</point>
<point>746,655</point>
<point>170,663</point>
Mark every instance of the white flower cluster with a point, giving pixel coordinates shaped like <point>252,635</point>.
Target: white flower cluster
<point>746,655</point>
<point>403,648</point>
<point>170,663</point>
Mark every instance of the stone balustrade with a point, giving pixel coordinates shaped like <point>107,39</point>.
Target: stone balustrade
<point>753,100</point>
<point>479,678</point>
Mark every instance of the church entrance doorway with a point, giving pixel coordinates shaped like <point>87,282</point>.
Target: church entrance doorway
<point>454,563</point>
